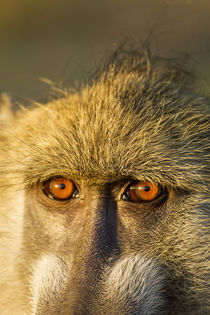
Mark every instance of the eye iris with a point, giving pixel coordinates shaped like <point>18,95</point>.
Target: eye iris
<point>61,188</point>
<point>145,191</point>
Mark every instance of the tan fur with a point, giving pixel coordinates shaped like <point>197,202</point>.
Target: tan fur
<point>100,254</point>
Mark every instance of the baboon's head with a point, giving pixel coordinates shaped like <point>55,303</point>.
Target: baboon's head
<point>104,197</point>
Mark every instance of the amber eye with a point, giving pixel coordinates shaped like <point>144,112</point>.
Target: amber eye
<point>59,188</point>
<point>143,191</point>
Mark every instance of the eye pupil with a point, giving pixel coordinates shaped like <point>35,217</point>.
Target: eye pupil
<point>62,186</point>
<point>146,188</point>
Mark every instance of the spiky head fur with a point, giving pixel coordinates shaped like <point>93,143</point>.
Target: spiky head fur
<point>137,120</point>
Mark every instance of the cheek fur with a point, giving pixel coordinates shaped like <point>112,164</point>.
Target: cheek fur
<point>135,282</point>
<point>48,281</point>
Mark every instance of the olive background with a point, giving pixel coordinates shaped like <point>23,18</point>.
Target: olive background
<point>68,39</point>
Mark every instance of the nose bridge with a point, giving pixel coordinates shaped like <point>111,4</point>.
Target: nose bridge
<point>95,246</point>
<point>104,225</point>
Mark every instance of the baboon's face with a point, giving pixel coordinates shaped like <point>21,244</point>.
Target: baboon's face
<point>88,237</point>
<point>112,192</point>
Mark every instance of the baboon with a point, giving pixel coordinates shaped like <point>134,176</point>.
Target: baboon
<point>104,195</point>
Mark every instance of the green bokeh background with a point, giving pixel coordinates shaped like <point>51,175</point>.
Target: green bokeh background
<point>65,40</point>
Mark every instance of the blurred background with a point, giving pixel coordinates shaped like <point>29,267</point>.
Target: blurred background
<point>64,40</point>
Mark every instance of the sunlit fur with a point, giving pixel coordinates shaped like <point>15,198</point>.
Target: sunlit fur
<point>139,120</point>
<point>47,282</point>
